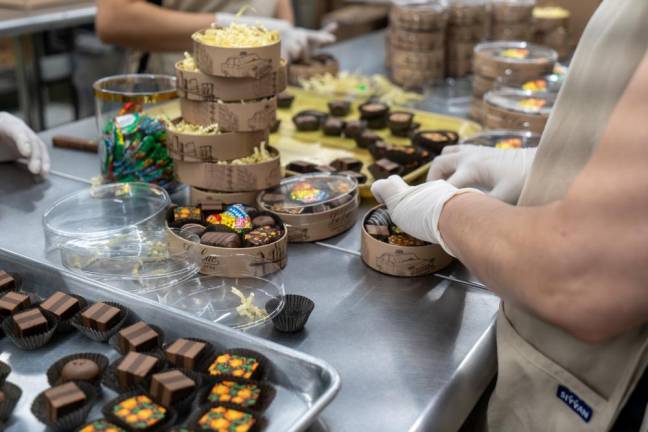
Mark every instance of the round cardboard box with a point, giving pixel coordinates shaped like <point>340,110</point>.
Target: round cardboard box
<point>246,116</point>
<point>422,17</point>
<point>510,12</point>
<point>231,178</point>
<point>224,146</point>
<point>409,77</point>
<point>490,65</point>
<point>401,261</point>
<point>416,41</point>
<point>501,111</point>
<point>195,85</point>
<point>250,62</point>
<point>425,60</point>
<point>466,14</point>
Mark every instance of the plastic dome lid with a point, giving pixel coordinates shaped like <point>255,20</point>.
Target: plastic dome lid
<point>521,101</point>
<point>504,138</point>
<point>517,51</point>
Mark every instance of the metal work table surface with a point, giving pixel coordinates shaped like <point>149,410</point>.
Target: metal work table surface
<point>14,22</point>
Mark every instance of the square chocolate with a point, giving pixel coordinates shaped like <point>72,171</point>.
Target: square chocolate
<point>61,305</point>
<point>135,367</point>
<point>357,176</point>
<point>347,164</point>
<point>101,316</point>
<point>12,302</point>
<point>171,387</point>
<point>62,400</point>
<point>185,353</point>
<point>31,322</point>
<point>300,167</point>
<point>384,168</point>
<point>7,282</point>
<point>378,230</point>
<point>138,337</point>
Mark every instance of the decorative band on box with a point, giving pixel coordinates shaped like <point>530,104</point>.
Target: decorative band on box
<point>213,199</point>
<point>416,41</point>
<point>243,116</point>
<point>422,17</point>
<point>195,85</point>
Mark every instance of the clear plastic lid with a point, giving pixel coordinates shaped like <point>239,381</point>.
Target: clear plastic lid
<point>504,139</point>
<point>238,303</point>
<point>309,193</point>
<point>521,101</point>
<point>517,51</point>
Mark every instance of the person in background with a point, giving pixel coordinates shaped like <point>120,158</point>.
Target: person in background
<point>17,141</point>
<point>569,261</point>
<point>160,30</point>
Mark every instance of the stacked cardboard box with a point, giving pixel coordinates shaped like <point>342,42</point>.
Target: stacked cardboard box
<point>550,28</point>
<point>512,19</point>
<point>468,22</point>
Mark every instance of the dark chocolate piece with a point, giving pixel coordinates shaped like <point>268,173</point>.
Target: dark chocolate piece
<point>7,282</point>
<point>138,337</point>
<point>62,400</point>
<point>435,140</point>
<point>101,316</point>
<point>357,176</point>
<point>324,169</point>
<point>285,100</point>
<point>275,126</point>
<point>61,305</point>
<point>186,353</point>
<point>333,127</point>
<point>406,155</point>
<point>384,168</point>
<point>379,217</point>
<point>347,164</point>
<point>194,228</point>
<point>221,239</point>
<point>263,220</point>
<point>171,387</point>
<point>135,367</point>
<point>12,302</point>
<point>367,139</point>
<point>400,121</point>
<point>81,369</point>
<point>375,114</point>
<point>306,123</point>
<point>379,149</point>
<point>339,108</point>
<point>377,230</point>
<point>354,128</point>
<point>31,322</point>
<point>302,167</point>
<point>263,235</point>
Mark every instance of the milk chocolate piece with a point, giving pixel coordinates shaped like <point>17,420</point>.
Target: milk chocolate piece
<point>354,128</point>
<point>263,235</point>
<point>285,100</point>
<point>61,305</point>
<point>367,138</point>
<point>186,353</point>
<point>302,167</point>
<point>62,400</point>
<point>12,302</point>
<point>347,164</point>
<point>263,220</point>
<point>357,176</point>
<point>339,108</point>
<point>377,230</point>
<point>306,123</point>
<point>325,169</point>
<point>138,337</point>
<point>135,367</point>
<point>30,323</point>
<point>221,239</point>
<point>7,282</point>
<point>171,387</point>
<point>81,369</point>
<point>384,168</point>
<point>101,316</point>
<point>333,127</point>
<point>194,228</point>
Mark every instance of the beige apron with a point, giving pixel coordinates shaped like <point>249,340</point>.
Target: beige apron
<point>163,63</point>
<point>548,380</point>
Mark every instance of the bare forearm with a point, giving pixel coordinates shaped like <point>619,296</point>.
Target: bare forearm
<point>143,26</point>
<point>285,11</point>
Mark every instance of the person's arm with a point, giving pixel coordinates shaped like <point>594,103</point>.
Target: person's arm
<point>580,263</point>
<point>285,11</point>
<point>143,26</point>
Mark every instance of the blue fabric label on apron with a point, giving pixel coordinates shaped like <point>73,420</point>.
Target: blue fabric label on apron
<point>576,404</point>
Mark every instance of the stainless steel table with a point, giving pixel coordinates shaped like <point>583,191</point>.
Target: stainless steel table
<point>23,26</point>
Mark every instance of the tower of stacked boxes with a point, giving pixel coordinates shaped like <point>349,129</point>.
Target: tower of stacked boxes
<point>512,20</point>
<point>468,22</point>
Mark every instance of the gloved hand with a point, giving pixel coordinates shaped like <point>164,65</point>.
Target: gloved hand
<point>18,140</point>
<point>501,172</point>
<point>296,42</point>
<point>417,209</point>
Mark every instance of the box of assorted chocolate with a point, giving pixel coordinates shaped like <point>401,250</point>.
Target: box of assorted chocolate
<point>517,110</point>
<point>517,61</point>
<point>240,116</point>
<point>237,241</point>
<point>385,248</point>
<point>214,200</point>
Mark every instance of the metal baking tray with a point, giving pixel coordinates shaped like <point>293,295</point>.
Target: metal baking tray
<point>304,384</point>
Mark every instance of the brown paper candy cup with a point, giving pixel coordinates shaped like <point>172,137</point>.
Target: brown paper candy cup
<point>266,395</point>
<point>198,412</point>
<point>5,370</point>
<point>294,315</point>
<point>31,342</point>
<point>262,370</point>
<point>214,200</point>
<point>54,377</point>
<point>111,380</point>
<point>242,116</point>
<point>205,359</point>
<point>116,342</point>
<point>98,335</point>
<point>183,406</point>
<point>12,394</point>
<point>107,410</point>
<point>68,421</point>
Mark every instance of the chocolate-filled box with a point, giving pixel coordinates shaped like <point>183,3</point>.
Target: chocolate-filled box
<point>517,109</point>
<point>517,61</point>
<point>400,260</point>
<point>313,206</point>
<point>240,116</point>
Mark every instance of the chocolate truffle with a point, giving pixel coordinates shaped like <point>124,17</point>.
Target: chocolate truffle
<point>285,100</point>
<point>221,239</point>
<point>220,418</point>
<point>186,353</point>
<point>7,282</point>
<point>367,138</point>
<point>138,337</point>
<point>101,316</point>
<point>306,122</point>
<point>384,168</point>
<point>245,394</point>
<point>171,386</point>
<point>61,305</point>
<point>435,140</point>
<point>234,364</point>
<point>347,164</point>
<point>139,412</point>
<point>377,230</point>
<point>80,369</point>
<point>333,127</point>
<point>353,128</point>
<point>30,323</point>
<point>400,121</point>
<point>135,367</point>
<point>339,108</point>
<point>263,235</point>
<point>12,302</point>
<point>62,400</point>
<point>101,425</point>
<point>324,169</point>
<point>357,176</point>
<point>301,167</point>
<point>194,228</point>
<point>263,220</point>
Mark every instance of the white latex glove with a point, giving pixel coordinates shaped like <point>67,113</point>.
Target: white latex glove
<point>500,172</point>
<point>18,140</point>
<point>296,42</point>
<point>417,209</point>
